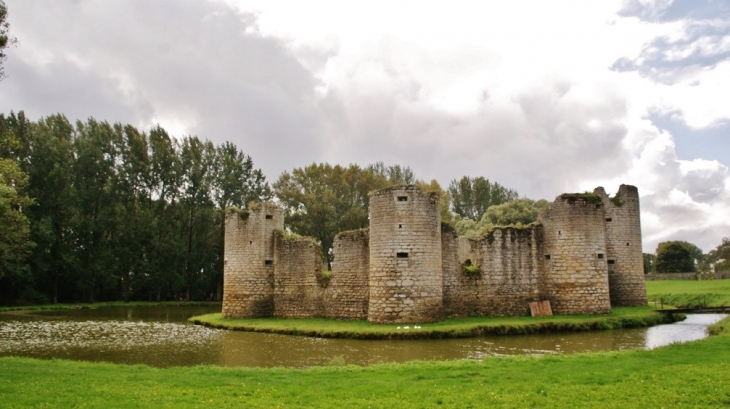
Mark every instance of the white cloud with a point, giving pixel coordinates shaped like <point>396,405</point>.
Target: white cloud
<point>520,92</point>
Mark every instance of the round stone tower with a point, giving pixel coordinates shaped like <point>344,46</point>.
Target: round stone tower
<point>574,255</point>
<point>623,247</point>
<point>405,281</point>
<point>248,266</point>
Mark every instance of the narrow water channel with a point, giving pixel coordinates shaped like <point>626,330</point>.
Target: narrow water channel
<point>161,337</point>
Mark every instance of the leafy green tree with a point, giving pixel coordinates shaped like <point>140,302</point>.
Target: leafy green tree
<point>235,183</point>
<point>520,212</point>
<point>197,177</point>
<point>5,38</point>
<point>322,200</point>
<point>132,215</point>
<point>395,174</point>
<point>167,246</point>
<point>49,166</point>
<point>95,224</point>
<point>444,198</point>
<point>15,243</point>
<point>677,257</point>
<point>649,263</point>
<point>470,197</point>
<point>717,259</point>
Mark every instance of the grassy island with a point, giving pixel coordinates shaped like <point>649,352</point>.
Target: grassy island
<point>451,328</point>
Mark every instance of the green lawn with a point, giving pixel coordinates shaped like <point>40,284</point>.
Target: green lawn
<point>450,328</point>
<point>681,375</point>
<point>689,293</point>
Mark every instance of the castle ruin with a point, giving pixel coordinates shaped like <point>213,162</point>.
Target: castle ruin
<point>583,256</point>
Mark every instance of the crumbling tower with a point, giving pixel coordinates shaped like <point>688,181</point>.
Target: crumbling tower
<point>248,271</point>
<point>574,255</point>
<point>623,247</point>
<point>405,281</point>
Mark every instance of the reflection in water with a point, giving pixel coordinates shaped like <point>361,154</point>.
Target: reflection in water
<point>161,337</point>
<point>691,329</point>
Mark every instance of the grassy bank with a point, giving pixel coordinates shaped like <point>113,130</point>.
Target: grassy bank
<point>108,305</point>
<point>450,328</point>
<point>681,375</point>
<point>689,293</point>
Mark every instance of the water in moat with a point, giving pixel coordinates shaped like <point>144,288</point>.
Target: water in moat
<point>160,336</point>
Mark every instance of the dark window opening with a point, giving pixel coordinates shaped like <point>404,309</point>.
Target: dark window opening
<point>598,206</point>
<point>402,198</point>
<point>400,226</point>
<point>250,242</point>
<point>401,255</point>
<point>611,261</point>
<point>600,255</point>
<point>608,219</point>
<point>558,232</point>
<point>269,217</point>
<point>268,262</point>
<point>627,244</point>
<point>547,256</point>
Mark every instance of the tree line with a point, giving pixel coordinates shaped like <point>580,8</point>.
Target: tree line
<point>683,257</point>
<point>97,211</point>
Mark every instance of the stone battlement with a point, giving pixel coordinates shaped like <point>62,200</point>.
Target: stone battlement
<point>584,256</point>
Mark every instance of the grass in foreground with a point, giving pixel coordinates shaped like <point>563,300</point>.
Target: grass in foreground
<point>689,293</point>
<point>451,328</point>
<point>681,375</point>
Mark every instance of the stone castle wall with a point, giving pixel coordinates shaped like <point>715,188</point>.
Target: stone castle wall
<point>408,267</point>
<point>574,247</point>
<point>623,247</point>
<point>248,269</point>
<point>405,282</point>
<point>347,293</point>
<point>297,290</point>
<point>509,275</point>
<point>510,270</point>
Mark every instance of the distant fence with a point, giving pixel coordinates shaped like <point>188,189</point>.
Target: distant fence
<point>687,276</point>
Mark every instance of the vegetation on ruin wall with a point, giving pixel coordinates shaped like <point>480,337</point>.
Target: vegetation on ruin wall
<point>587,197</point>
<point>689,293</point>
<point>354,234</point>
<point>451,328</point>
<point>681,375</point>
<point>242,213</point>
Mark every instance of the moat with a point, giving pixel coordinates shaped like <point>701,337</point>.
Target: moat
<point>161,337</point>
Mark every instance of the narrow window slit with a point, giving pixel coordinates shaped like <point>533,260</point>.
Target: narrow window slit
<point>401,255</point>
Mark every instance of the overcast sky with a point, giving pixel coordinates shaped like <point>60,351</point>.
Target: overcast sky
<point>541,96</point>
